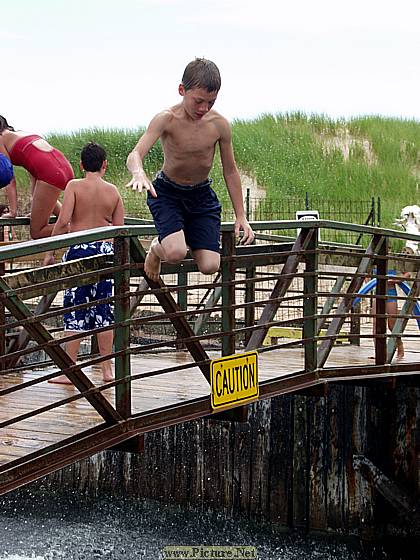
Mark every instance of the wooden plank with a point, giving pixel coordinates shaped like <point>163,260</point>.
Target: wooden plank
<point>335,467</point>
<point>281,460</point>
<point>300,481</point>
<point>44,280</point>
<point>317,450</point>
<point>259,458</point>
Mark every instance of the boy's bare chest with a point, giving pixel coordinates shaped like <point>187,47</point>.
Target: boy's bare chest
<point>191,138</point>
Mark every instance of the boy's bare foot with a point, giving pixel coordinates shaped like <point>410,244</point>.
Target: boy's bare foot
<point>152,265</point>
<point>400,351</point>
<point>62,379</point>
<point>108,377</point>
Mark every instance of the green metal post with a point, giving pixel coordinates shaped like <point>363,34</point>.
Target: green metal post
<point>2,310</point>
<point>228,293</point>
<point>183,294</point>
<point>249,298</point>
<point>381,290</point>
<point>122,334</point>
<point>310,303</point>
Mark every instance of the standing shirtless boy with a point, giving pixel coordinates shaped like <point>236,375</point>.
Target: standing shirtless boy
<point>89,203</point>
<point>185,209</point>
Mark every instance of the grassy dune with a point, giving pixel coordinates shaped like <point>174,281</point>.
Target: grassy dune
<point>288,155</point>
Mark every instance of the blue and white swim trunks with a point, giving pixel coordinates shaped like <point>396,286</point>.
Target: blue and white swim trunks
<point>94,316</point>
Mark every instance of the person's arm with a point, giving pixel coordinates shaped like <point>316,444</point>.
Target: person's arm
<point>135,158</point>
<point>118,214</point>
<point>233,183</point>
<point>62,224</point>
<point>11,194</point>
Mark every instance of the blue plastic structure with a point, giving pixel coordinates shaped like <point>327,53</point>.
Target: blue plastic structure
<point>366,288</point>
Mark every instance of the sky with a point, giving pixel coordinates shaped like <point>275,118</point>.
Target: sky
<point>73,64</point>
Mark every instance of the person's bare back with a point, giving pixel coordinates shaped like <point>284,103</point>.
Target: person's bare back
<point>95,203</point>
<point>89,203</point>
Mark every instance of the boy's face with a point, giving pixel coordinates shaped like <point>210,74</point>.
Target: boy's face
<point>197,101</point>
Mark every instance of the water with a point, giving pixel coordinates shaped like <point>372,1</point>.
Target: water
<point>37,526</point>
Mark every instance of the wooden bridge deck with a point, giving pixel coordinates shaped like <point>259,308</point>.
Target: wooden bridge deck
<point>148,395</point>
<point>245,300</point>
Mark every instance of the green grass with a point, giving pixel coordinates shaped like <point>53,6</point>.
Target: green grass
<point>289,155</point>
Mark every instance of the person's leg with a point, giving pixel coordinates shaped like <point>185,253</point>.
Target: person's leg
<point>72,349</point>
<point>105,340</point>
<point>208,262</point>
<point>392,309</point>
<point>171,249</point>
<point>44,201</point>
<point>373,311</point>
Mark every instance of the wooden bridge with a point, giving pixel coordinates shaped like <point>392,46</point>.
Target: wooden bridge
<point>166,333</point>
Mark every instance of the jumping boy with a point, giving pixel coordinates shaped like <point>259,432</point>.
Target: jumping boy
<point>184,207</point>
<point>89,203</point>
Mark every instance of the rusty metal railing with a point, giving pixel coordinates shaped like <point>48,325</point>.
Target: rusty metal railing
<point>246,306</point>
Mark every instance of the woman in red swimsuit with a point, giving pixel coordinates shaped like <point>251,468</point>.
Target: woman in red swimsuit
<point>48,169</point>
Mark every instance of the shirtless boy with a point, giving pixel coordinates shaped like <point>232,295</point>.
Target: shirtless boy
<point>89,203</point>
<point>185,209</point>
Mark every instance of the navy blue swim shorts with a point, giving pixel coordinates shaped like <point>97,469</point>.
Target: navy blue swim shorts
<point>6,171</point>
<point>195,210</point>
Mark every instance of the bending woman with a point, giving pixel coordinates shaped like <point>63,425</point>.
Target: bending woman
<point>49,173</point>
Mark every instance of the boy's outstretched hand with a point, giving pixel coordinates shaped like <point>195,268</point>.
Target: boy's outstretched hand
<point>248,236</point>
<point>141,181</point>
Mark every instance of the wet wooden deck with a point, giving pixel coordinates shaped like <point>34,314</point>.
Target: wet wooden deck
<point>148,394</point>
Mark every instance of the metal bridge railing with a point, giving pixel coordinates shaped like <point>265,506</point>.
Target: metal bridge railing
<point>291,298</point>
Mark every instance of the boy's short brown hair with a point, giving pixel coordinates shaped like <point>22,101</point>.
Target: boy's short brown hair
<point>201,73</point>
<point>92,157</point>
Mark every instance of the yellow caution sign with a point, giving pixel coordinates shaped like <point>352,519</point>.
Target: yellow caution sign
<point>234,379</point>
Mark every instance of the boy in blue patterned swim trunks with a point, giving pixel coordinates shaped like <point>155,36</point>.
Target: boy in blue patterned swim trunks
<point>89,203</point>
<point>185,209</point>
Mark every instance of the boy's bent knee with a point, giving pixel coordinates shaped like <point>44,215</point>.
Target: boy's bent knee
<point>209,268</point>
<point>175,255</point>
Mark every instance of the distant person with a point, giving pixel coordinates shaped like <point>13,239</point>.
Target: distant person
<point>49,172</point>
<point>391,308</point>
<point>184,207</point>
<point>89,203</point>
